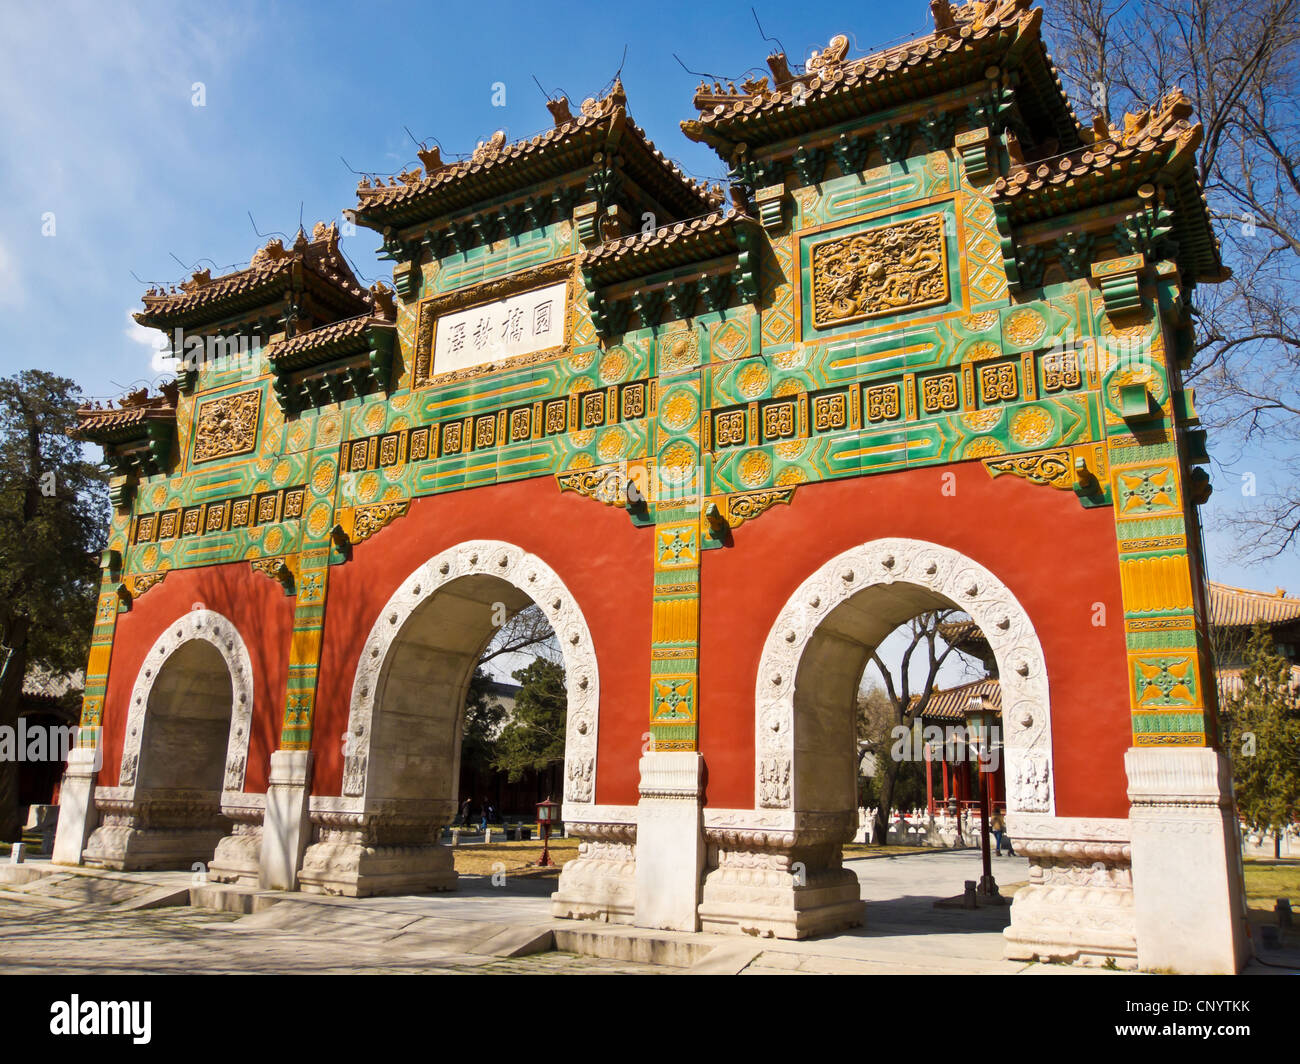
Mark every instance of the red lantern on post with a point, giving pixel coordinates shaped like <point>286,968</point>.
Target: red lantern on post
<point>548,813</point>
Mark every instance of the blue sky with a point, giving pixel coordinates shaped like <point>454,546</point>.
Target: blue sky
<point>98,126</point>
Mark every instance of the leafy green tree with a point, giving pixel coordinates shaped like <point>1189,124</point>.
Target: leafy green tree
<point>533,738</point>
<point>53,522</point>
<point>483,718</point>
<point>1262,722</point>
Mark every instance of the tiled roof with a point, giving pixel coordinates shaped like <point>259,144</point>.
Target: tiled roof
<point>953,703</point>
<point>497,168</point>
<point>327,342</point>
<point>956,53</point>
<point>1232,607</point>
<point>273,268</point>
<point>681,243</point>
<point>127,420</point>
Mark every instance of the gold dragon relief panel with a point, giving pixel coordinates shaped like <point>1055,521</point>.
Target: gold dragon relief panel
<point>886,270</point>
<point>227,426</point>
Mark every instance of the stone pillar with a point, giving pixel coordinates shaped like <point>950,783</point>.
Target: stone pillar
<point>669,841</point>
<point>1187,879</point>
<point>77,813</point>
<point>287,827</point>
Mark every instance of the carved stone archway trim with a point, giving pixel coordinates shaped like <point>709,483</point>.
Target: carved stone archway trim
<point>1027,731</point>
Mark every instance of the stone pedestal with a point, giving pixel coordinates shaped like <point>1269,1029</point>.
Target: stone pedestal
<point>362,848</point>
<point>238,857</point>
<point>779,874</point>
<point>77,813</point>
<point>669,841</point>
<point>1078,905</point>
<point>286,828</point>
<point>600,883</point>
<point>1187,878</point>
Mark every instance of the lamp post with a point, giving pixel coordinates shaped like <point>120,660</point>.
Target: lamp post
<point>548,812</point>
<point>979,721</point>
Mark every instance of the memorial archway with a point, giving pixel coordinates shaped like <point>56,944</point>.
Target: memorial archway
<point>777,871</point>
<point>185,751</point>
<point>402,746</point>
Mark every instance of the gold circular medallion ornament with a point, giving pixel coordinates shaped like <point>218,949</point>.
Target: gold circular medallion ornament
<point>680,350</point>
<point>612,445</point>
<point>374,417</point>
<point>983,351</point>
<point>319,519</point>
<point>677,463</point>
<point>753,380</point>
<point>984,447</point>
<point>322,477</point>
<point>581,461</point>
<point>791,475</point>
<point>159,496</point>
<point>787,387</point>
<point>614,366</point>
<point>281,473</point>
<point>150,556</point>
<point>792,359</point>
<point>791,449</point>
<point>1024,327</point>
<point>582,437</point>
<point>1032,426</point>
<point>273,540</point>
<point>755,468</point>
<point>679,409</point>
<point>368,487</point>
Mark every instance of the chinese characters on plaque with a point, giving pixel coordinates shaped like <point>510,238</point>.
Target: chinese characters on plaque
<point>524,323</point>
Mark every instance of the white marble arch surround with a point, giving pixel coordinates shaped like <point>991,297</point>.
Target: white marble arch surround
<point>529,574</point>
<point>149,827</point>
<point>943,572</point>
<point>212,627</point>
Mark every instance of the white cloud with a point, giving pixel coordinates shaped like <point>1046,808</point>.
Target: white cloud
<point>160,361</point>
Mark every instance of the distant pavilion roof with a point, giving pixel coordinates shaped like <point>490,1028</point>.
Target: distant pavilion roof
<point>1233,607</point>
<point>953,703</point>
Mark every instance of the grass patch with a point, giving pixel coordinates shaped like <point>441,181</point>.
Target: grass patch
<point>518,858</point>
<point>1268,880</point>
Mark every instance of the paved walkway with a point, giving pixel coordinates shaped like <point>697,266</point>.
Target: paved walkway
<point>84,922</point>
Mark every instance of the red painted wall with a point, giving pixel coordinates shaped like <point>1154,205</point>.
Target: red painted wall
<point>1056,557</point>
<point>261,612</point>
<point>602,558</point>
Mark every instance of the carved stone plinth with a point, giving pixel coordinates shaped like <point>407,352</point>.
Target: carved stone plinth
<point>784,881</point>
<point>161,830</point>
<point>360,854</point>
<point>238,856</point>
<point>1078,905</point>
<point>1190,908</point>
<point>600,883</point>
